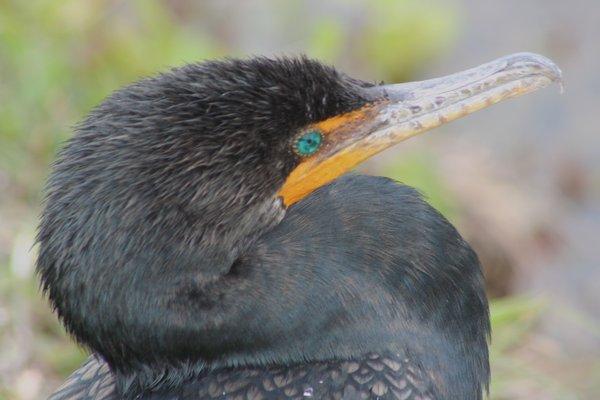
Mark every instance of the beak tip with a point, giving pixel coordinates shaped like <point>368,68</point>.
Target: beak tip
<point>539,64</point>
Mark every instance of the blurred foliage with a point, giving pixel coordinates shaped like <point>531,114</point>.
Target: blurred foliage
<point>415,169</point>
<point>393,40</point>
<point>63,58</point>
<point>34,334</point>
<point>402,36</point>
<point>512,321</point>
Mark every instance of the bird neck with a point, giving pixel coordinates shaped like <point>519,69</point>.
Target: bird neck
<point>362,265</point>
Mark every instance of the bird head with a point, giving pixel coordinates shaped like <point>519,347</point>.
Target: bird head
<point>237,142</point>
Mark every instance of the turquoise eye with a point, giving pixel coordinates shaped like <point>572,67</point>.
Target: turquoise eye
<point>308,143</point>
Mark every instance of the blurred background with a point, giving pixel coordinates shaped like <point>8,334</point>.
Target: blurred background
<point>521,180</point>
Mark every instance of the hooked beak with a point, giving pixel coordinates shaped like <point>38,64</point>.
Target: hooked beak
<point>400,111</point>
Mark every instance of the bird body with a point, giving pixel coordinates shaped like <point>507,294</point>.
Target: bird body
<point>201,238</point>
<point>370,273</point>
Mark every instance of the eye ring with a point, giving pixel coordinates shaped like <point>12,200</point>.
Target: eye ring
<point>308,142</point>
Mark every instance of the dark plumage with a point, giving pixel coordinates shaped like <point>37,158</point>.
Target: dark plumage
<point>165,249</point>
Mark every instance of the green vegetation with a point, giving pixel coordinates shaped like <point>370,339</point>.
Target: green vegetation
<point>415,169</point>
<point>62,58</point>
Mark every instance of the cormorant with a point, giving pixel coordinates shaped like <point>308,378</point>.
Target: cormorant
<point>199,236</point>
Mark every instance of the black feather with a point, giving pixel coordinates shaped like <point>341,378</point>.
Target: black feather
<point>164,248</point>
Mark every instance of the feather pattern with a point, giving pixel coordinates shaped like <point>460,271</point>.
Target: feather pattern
<point>374,377</point>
